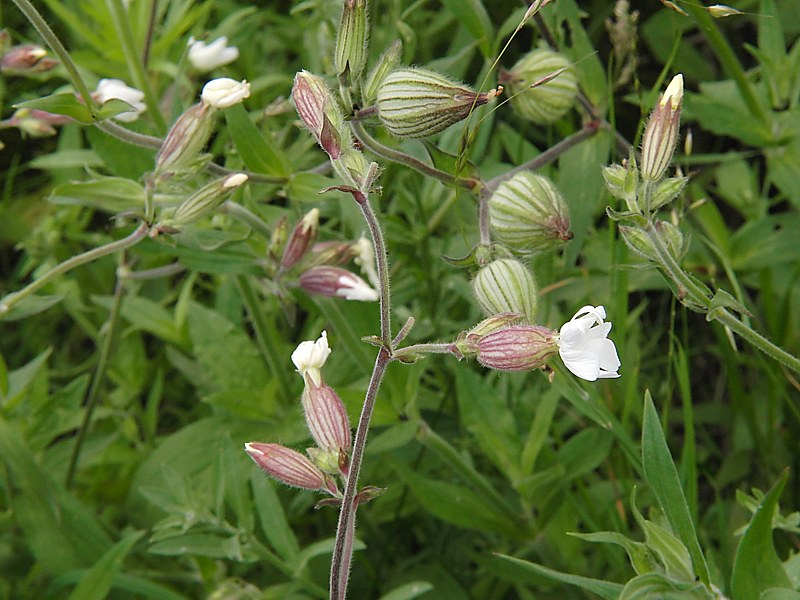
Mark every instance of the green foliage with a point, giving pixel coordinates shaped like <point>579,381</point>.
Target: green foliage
<point>136,360</point>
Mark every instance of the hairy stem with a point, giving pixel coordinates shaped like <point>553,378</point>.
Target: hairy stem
<point>342,556</point>
<point>58,49</point>
<point>91,255</point>
<point>396,156</point>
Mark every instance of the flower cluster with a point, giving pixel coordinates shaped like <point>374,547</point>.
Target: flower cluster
<point>327,423</point>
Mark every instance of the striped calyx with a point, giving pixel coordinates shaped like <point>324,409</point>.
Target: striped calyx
<point>351,39</point>
<point>417,102</point>
<point>529,214</point>
<point>506,286</point>
<point>543,86</point>
<point>517,348</point>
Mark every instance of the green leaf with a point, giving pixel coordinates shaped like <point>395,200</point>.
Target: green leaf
<point>97,582</point>
<point>148,316</point>
<point>62,104</point>
<point>30,305</point>
<point>514,569</point>
<point>457,166</point>
<point>660,473</point>
<point>408,591</point>
<point>475,19</point>
<point>20,380</point>
<point>723,300</point>
<point>258,152</point>
<point>726,114</point>
<point>642,560</point>
<point>109,194</point>
<point>486,417</point>
<point>273,519</point>
<point>656,585</point>
<point>199,544</point>
<point>67,159</point>
<point>456,504</point>
<point>779,594</point>
<point>756,567</point>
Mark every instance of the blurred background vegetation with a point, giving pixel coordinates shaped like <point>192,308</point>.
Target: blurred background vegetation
<point>161,501</point>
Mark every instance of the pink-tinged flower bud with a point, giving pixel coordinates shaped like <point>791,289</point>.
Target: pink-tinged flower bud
<point>27,58</point>
<point>224,92</point>
<point>661,132</point>
<point>529,214</point>
<point>338,283</point>
<point>517,348</point>
<point>331,253</point>
<point>504,286</point>
<point>326,417</point>
<point>287,466</point>
<point>186,139</point>
<point>277,241</point>
<point>417,102</point>
<point>351,39</point>
<point>304,234</point>
<point>467,341</point>
<point>320,114</point>
<point>34,122</point>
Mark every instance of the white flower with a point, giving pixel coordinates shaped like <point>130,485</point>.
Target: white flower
<point>584,346</point>
<point>366,260</point>
<point>673,93</point>
<point>309,357</point>
<point>207,57</point>
<point>225,92</point>
<point>108,89</point>
<point>352,287</point>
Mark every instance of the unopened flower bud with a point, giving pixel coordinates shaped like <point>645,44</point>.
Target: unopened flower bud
<point>205,200</point>
<point>666,191</point>
<point>26,58</point>
<point>288,466</point>
<point>542,85</point>
<point>277,241</point>
<point>418,102</point>
<point>719,11</point>
<point>661,132</point>
<point>304,234</point>
<point>622,182</point>
<point>355,170</point>
<point>351,39</point>
<point>517,348</point>
<point>320,113</point>
<point>642,244</point>
<point>309,356</point>
<point>385,65</point>
<point>467,342</point>
<point>338,283</point>
<point>34,122</point>
<point>186,139</point>
<point>504,286</point>
<point>331,253</point>
<point>529,214</point>
<point>224,92</point>
<point>207,57</point>
<point>326,418</point>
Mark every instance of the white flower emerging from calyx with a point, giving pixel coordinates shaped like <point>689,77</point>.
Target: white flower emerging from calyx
<point>584,346</point>
<point>309,357</point>
<point>207,57</point>
<point>352,287</point>
<point>365,258</point>
<point>109,89</point>
<point>225,92</point>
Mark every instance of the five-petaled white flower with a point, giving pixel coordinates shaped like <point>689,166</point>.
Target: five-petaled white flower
<point>584,346</point>
<point>108,89</point>
<point>224,92</point>
<point>207,57</point>
<point>309,357</point>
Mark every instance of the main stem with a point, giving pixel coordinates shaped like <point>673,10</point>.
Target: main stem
<point>345,531</point>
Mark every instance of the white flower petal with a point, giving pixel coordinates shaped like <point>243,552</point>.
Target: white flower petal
<point>109,89</point>
<point>207,57</point>
<point>584,345</point>
<point>309,357</point>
